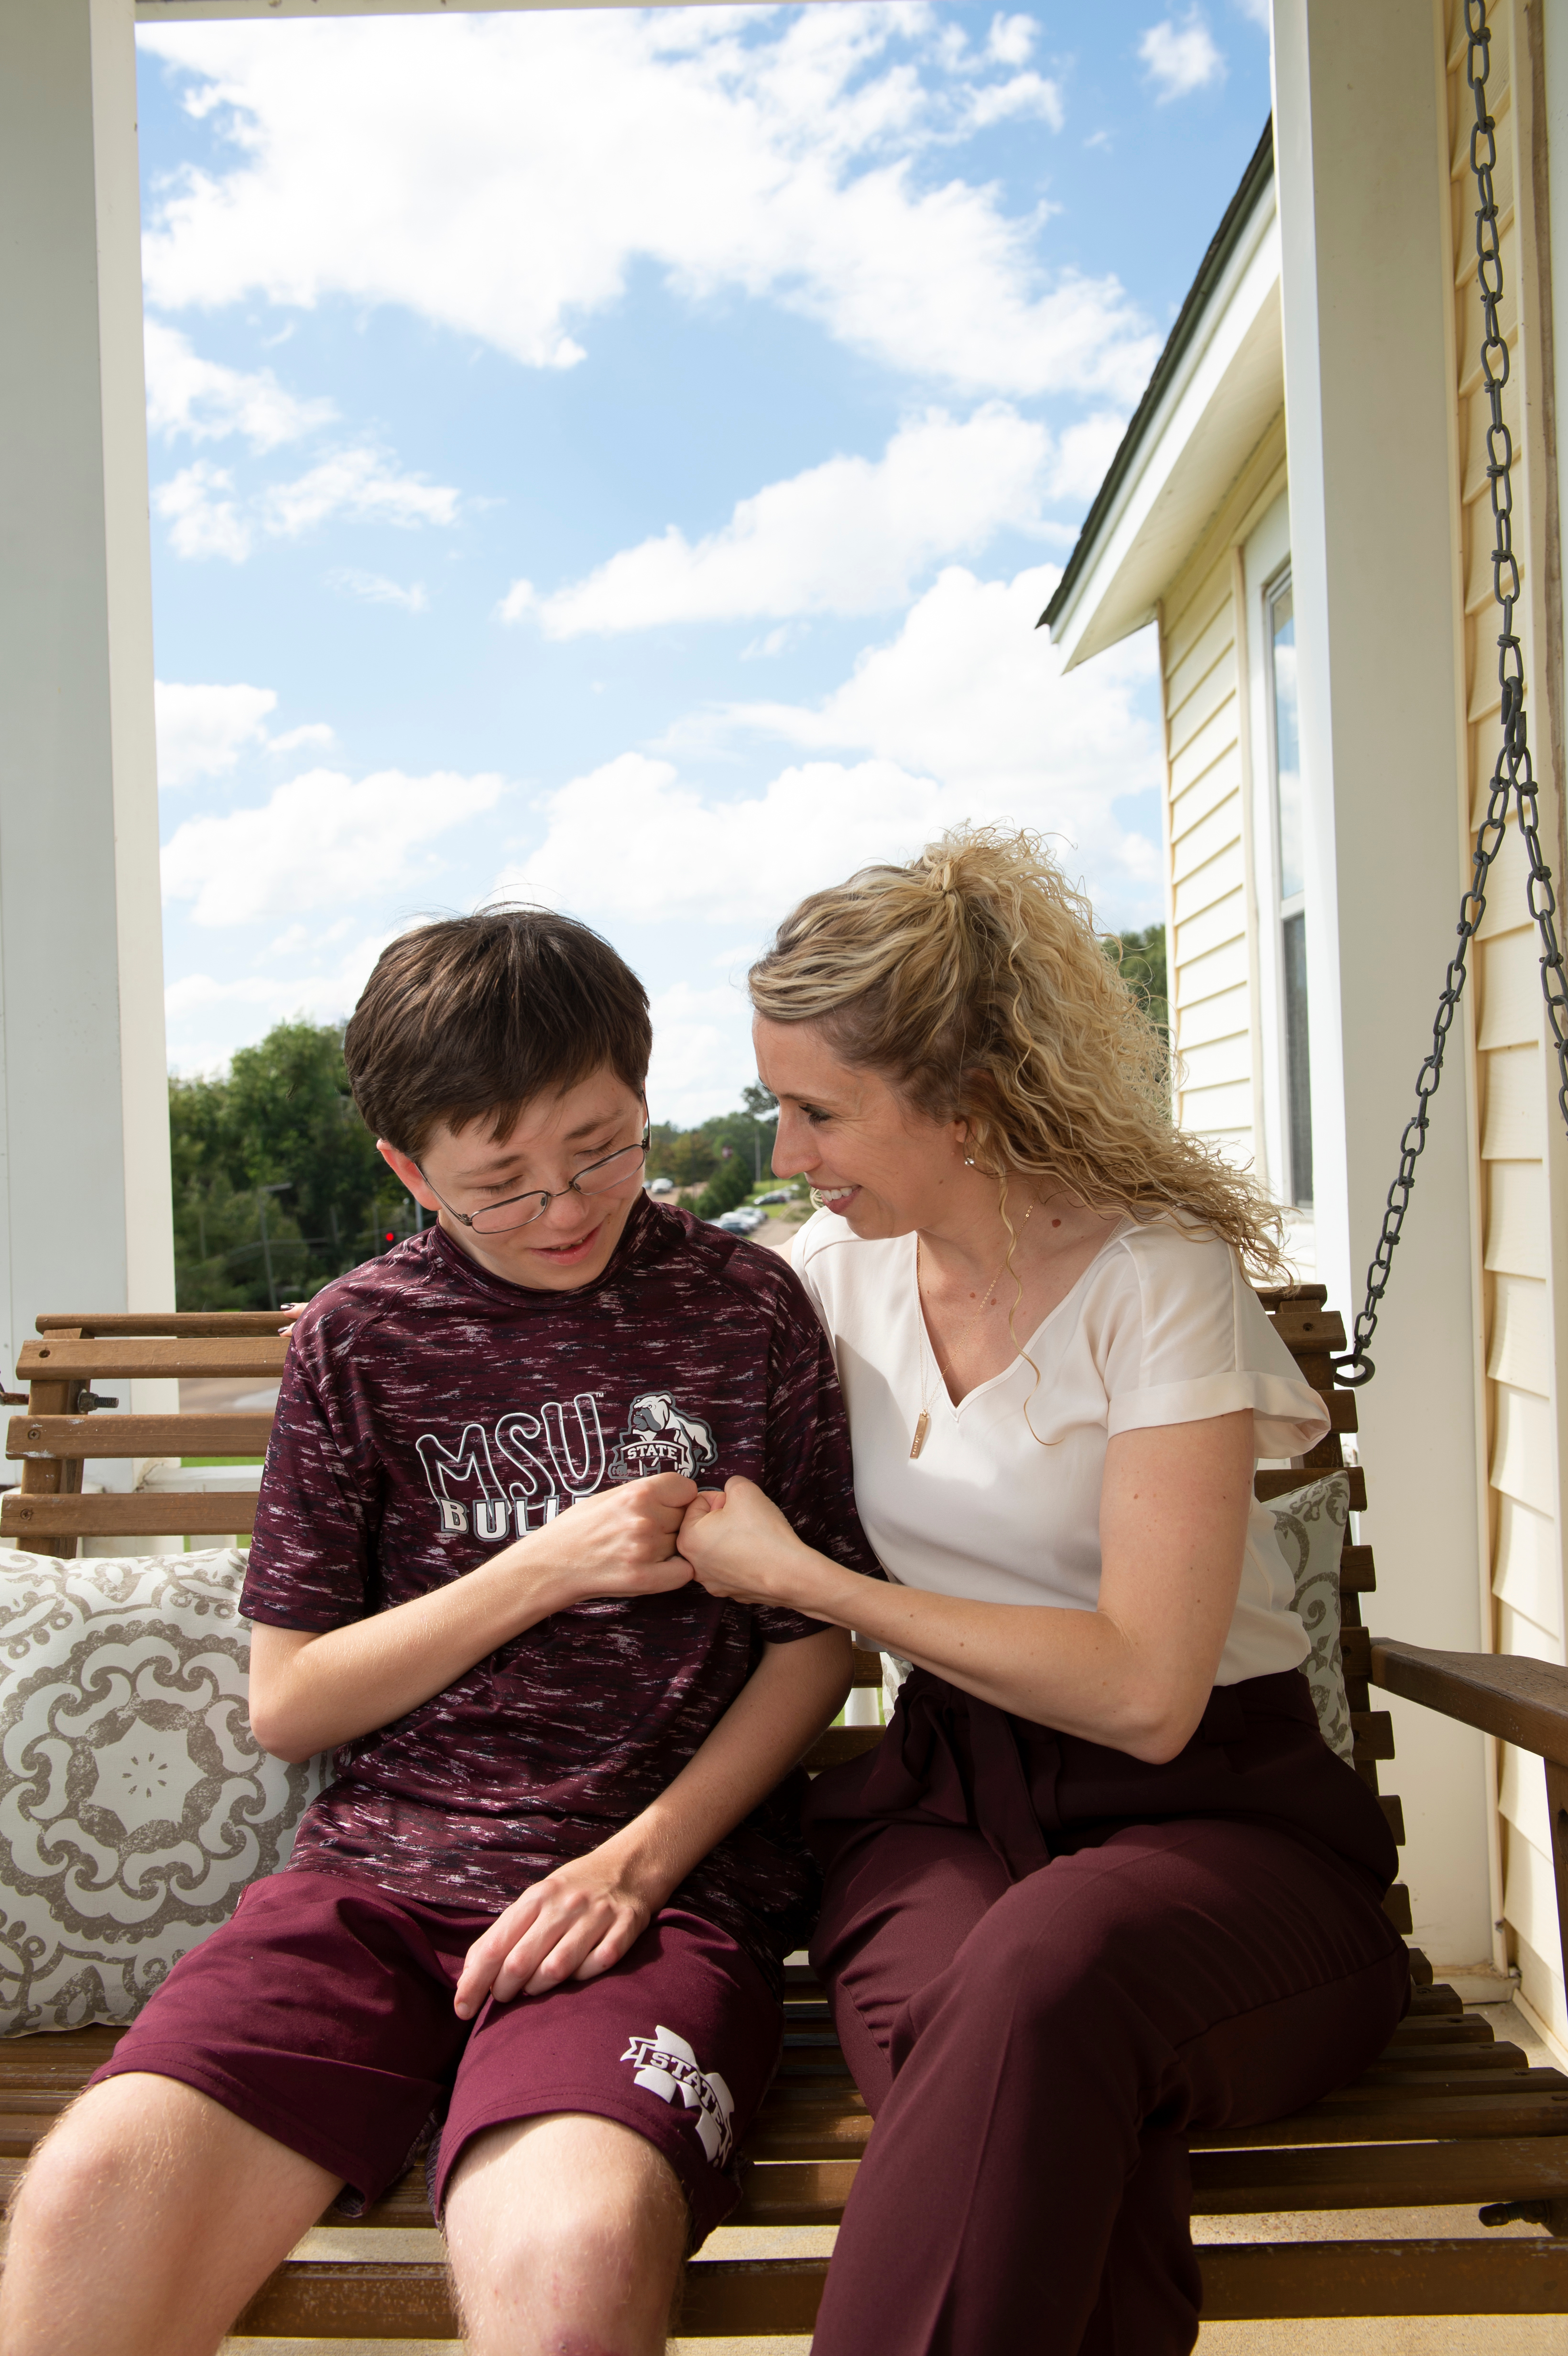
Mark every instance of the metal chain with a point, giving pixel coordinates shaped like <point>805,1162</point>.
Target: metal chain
<point>1514,778</point>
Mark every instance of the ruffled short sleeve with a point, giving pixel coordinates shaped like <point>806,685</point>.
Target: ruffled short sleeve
<point>1183,1336</point>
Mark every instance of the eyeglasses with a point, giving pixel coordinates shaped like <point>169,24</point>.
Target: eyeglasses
<point>623,1168</point>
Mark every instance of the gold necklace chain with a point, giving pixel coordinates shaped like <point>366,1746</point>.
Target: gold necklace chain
<point>922,1426</point>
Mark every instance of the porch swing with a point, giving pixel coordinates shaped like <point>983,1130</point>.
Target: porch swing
<point>1446,2115</point>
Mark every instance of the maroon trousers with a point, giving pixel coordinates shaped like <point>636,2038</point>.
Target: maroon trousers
<point>1049,1964</point>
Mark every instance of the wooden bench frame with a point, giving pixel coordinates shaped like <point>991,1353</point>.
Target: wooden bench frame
<point>1446,2114</point>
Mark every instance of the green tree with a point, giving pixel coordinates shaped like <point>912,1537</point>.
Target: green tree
<point>1142,961</point>
<point>729,1184</point>
<point>688,1156</point>
<point>278,1184</point>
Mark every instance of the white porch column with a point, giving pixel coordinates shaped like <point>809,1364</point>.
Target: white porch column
<point>1368,378</point>
<point>84,1153</point>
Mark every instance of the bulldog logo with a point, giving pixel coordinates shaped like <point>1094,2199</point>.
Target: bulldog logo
<point>660,1437</point>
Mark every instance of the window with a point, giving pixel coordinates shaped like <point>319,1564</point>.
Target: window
<point>1288,895</point>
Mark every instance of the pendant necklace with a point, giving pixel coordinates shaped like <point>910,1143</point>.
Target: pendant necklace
<point>922,1425</point>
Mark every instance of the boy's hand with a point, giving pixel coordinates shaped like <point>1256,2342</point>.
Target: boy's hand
<point>738,1544</point>
<point>572,1925</point>
<point>620,1541</point>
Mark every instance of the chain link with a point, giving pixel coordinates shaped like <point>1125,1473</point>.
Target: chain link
<point>1514,778</point>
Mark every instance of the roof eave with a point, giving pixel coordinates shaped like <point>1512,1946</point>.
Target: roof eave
<point>1216,265</point>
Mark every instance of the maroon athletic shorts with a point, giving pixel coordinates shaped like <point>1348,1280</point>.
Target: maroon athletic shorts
<point>321,2013</point>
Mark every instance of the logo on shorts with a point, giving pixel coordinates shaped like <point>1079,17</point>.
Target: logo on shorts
<point>661,1437</point>
<point>667,2066</point>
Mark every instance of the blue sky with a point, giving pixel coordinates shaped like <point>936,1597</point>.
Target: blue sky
<point>617,458</point>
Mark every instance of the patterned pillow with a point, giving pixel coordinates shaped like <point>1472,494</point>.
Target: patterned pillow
<point>1310,1526</point>
<point>135,1805</point>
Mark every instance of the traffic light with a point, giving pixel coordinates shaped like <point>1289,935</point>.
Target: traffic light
<point>389,1238</point>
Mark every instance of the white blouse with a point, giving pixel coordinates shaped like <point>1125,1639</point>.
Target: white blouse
<point>1003,1501</point>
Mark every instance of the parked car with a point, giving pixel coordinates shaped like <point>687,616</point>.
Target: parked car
<point>661,1185</point>
<point>743,1221</point>
<point>779,1194</point>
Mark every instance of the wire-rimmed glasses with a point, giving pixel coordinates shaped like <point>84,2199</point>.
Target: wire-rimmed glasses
<point>622,1167</point>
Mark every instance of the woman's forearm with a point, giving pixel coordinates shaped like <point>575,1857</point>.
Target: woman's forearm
<point>1133,1672</point>
<point>1075,1670</point>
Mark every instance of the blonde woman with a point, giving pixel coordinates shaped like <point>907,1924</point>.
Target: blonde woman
<point>1102,1885</point>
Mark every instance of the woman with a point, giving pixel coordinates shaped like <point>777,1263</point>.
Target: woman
<point>1102,1885</point>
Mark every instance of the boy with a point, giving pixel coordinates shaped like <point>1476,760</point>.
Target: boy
<point>542,1909</point>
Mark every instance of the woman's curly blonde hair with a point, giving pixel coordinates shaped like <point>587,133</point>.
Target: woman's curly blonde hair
<point>974,981</point>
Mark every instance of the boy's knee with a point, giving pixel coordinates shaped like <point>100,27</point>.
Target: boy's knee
<point>592,2211</point>
<point>88,2154</point>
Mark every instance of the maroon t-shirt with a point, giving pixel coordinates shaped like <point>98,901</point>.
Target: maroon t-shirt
<point>429,1413</point>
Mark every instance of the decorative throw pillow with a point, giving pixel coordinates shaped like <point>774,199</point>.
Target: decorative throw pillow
<point>136,1804</point>
<point>1309,1524</point>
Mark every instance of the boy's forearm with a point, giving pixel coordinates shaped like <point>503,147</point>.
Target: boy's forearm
<point>795,1690</point>
<point>315,1693</point>
<point>309,1693</point>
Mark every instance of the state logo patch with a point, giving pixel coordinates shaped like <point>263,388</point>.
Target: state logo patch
<point>667,2066</point>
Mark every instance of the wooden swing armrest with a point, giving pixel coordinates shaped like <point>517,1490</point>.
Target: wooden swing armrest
<point>1524,1701</point>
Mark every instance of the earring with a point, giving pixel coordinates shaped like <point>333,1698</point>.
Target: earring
<point>968,1162</point>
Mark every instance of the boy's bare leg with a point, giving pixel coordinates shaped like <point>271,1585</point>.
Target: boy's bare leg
<point>147,2218</point>
<point>566,2236</point>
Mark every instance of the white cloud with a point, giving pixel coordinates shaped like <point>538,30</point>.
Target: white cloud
<point>504,175</point>
<point>701,1051</point>
<point>357,483</point>
<point>964,714</point>
<point>294,739</point>
<point>1083,455</point>
<point>206,517</point>
<point>1026,95</point>
<point>377,590</point>
<point>322,840</point>
<point>970,694</point>
<point>207,1018</point>
<point>1011,39</point>
<point>202,730</point>
<point>1256,11</point>
<point>848,537</point>
<point>1181,57</point>
<point>203,519</point>
<point>771,642</point>
<point>187,395</point>
<point>632,842</point>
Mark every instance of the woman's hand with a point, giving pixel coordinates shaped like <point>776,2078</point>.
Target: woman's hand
<point>739,1544</point>
<point>572,1925</point>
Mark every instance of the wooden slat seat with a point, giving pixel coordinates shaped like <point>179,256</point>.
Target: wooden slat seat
<point>1448,2113</point>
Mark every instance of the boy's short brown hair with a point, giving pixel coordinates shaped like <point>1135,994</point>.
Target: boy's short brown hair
<point>470,1018</point>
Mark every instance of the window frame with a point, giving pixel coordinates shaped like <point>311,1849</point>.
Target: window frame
<point>1266,565</point>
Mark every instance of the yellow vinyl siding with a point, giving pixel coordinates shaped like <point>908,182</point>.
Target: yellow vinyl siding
<point>1222,1013</point>
<point>1210,915</point>
<point>1515,1080</point>
<point>1519,1348</point>
<point>1207,897</point>
<point>1516,1219</point>
<point>1213,927</point>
